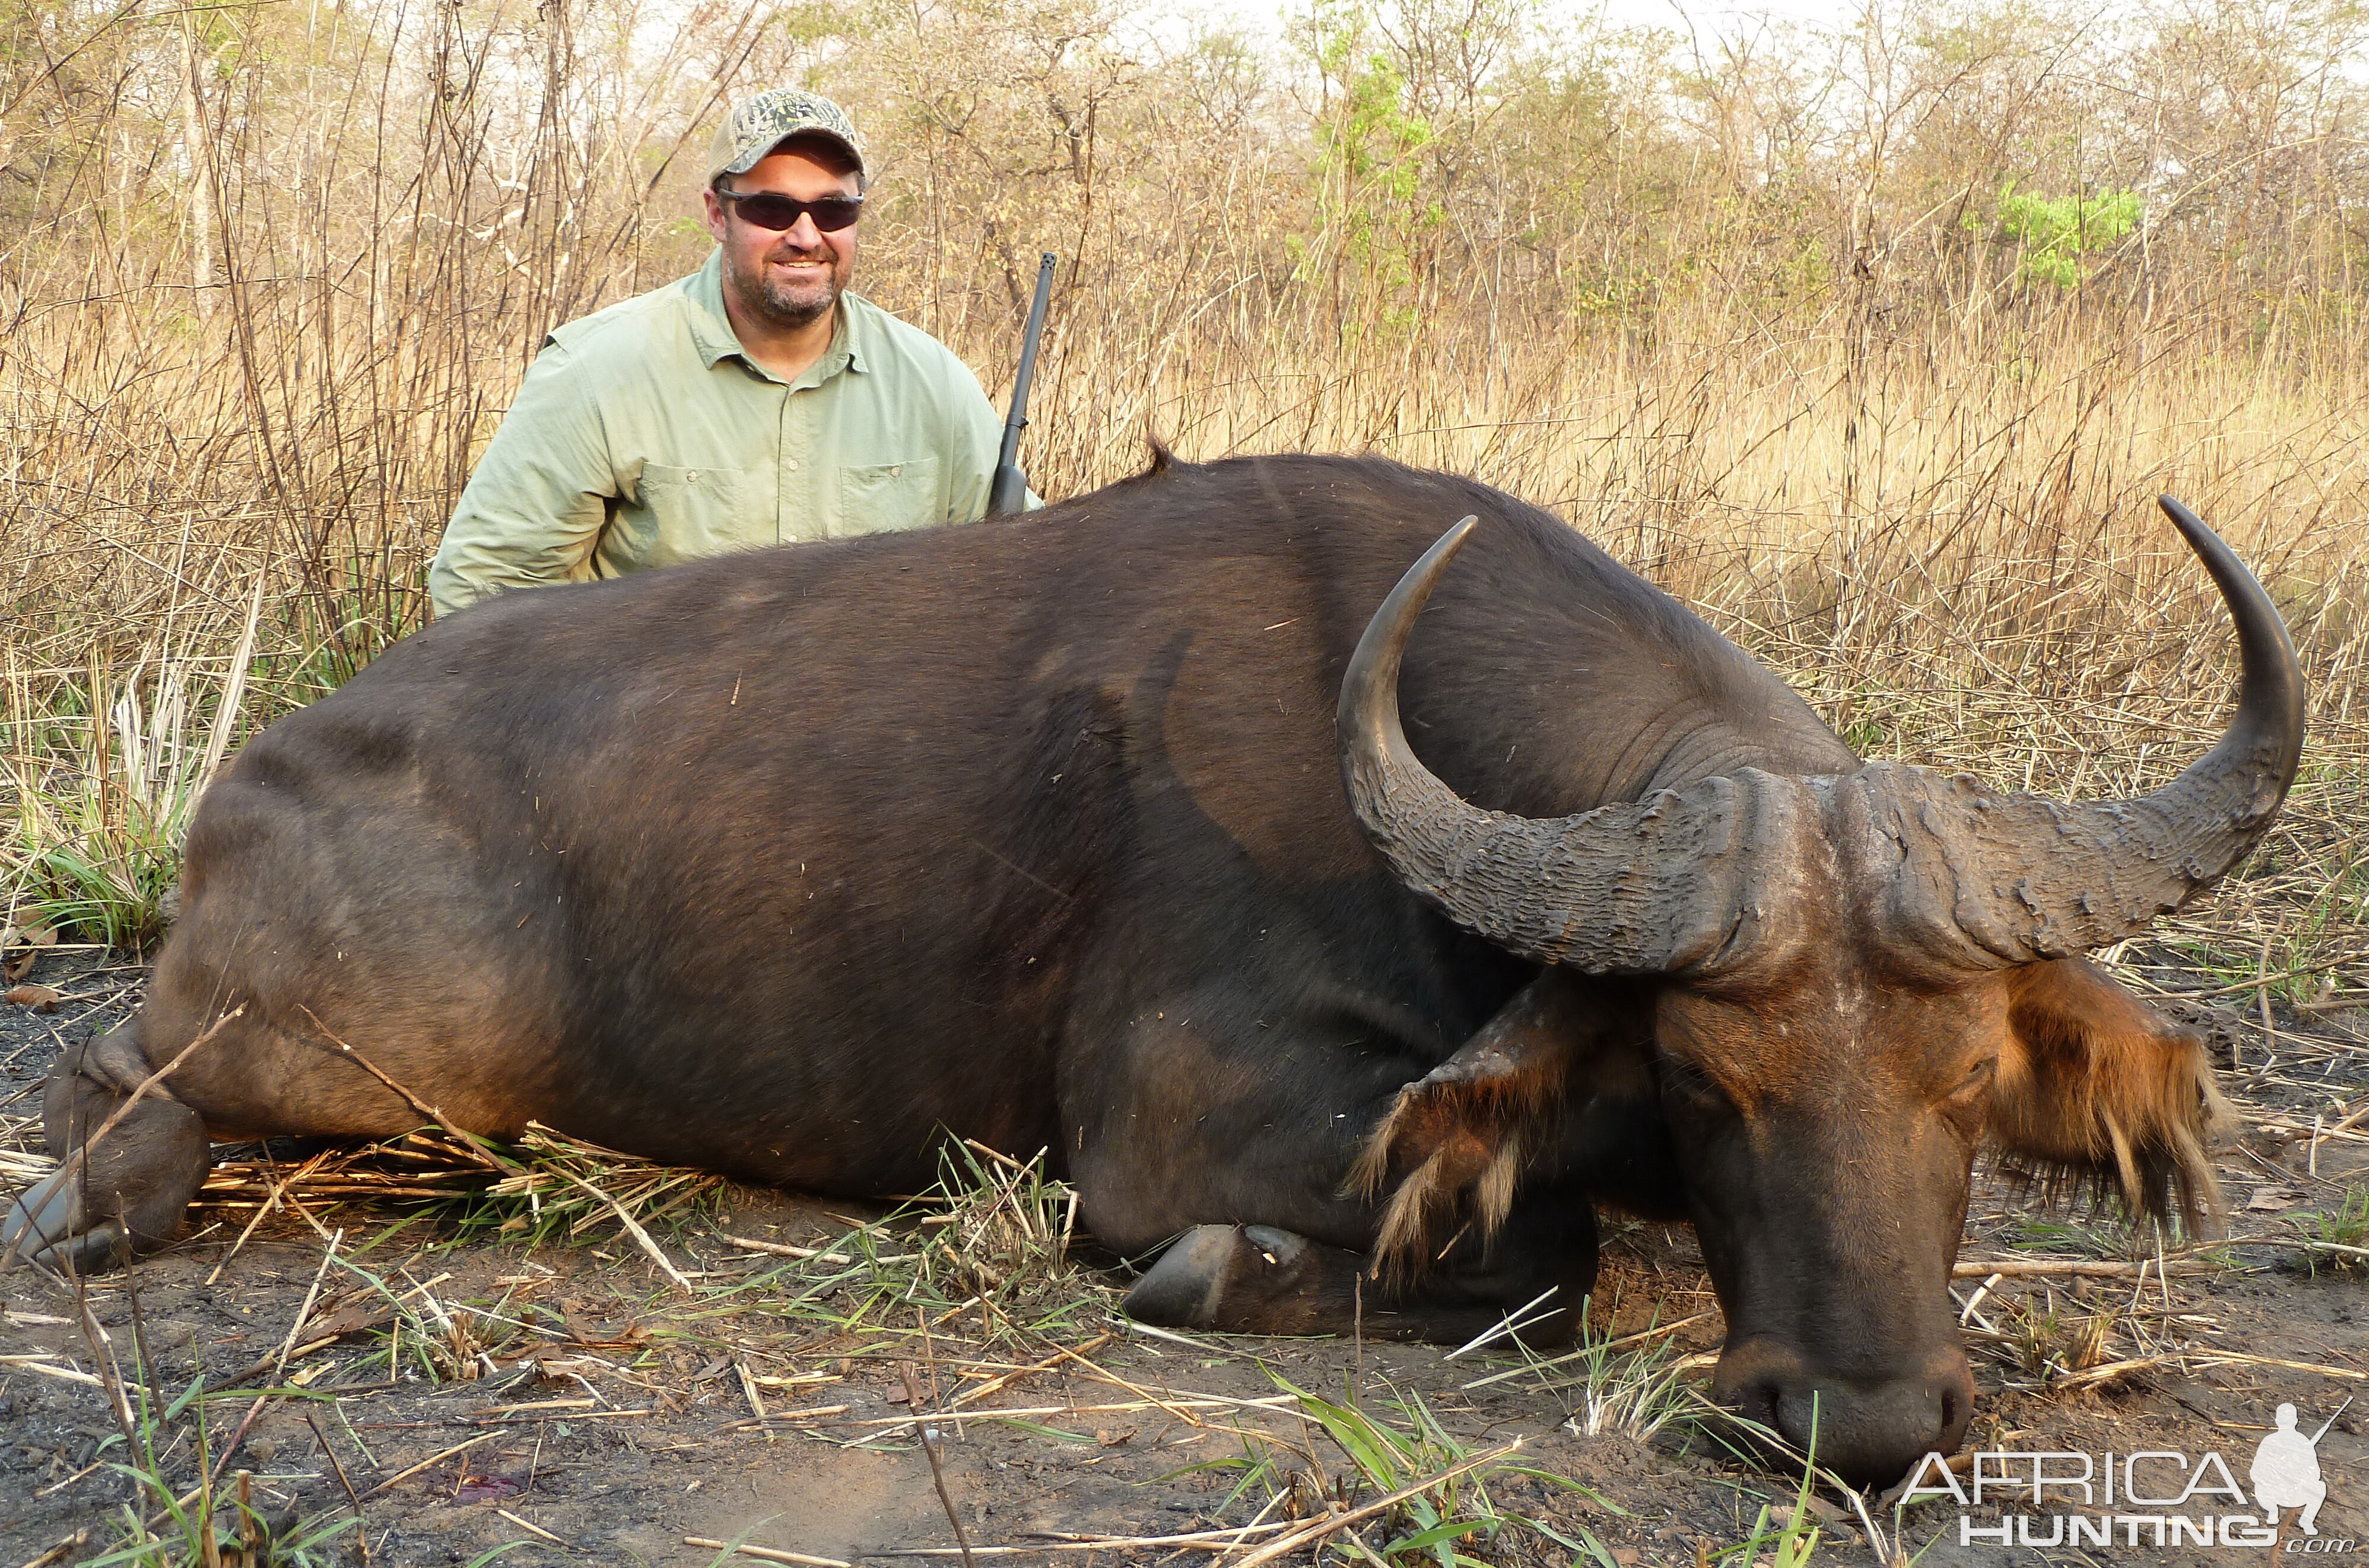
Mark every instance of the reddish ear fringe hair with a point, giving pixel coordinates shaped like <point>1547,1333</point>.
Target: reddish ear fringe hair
<point>1463,1147</point>
<point>2104,1099</point>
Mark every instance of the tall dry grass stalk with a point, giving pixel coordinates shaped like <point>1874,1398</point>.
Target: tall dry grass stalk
<point>1876,346</point>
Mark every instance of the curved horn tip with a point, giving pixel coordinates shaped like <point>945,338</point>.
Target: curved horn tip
<point>2187,521</point>
<point>1369,706</point>
<point>2272,680</point>
<point>1447,544</point>
<point>1425,573</point>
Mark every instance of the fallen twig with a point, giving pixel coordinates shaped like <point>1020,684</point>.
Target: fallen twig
<point>766,1553</point>
<point>61,1551</point>
<point>40,1364</point>
<point>823,1254</point>
<point>632,1227</point>
<point>2239,1358</point>
<point>1131,1326</point>
<point>1172,1407</point>
<point>274,1195</point>
<point>782,1418</point>
<point>1218,1541</point>
<point>996,1385</point>
<point>403,1475</point>
<point>2085,1268</point>
<point>929,1436</point>
<point>533,1528</point>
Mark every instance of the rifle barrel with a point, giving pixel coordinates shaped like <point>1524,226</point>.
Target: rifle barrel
<point>1009,491</point>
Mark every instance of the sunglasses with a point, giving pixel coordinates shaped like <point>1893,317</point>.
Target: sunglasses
<point>772,209</point>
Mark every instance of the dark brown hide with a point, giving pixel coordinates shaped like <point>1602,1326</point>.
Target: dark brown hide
<point>795,864</point>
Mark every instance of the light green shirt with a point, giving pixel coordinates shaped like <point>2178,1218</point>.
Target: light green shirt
<point>643,435</point>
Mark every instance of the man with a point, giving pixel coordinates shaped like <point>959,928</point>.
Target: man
<point>755,402</point>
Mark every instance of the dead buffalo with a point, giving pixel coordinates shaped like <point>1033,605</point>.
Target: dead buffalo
<point>791,864</point>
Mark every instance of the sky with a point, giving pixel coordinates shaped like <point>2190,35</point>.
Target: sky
<point>1709,17</point>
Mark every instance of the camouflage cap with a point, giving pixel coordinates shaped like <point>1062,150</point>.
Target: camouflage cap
<point>759,123</point>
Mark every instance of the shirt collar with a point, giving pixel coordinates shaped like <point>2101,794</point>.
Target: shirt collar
<point>712,334</point>
<point>711,329</point>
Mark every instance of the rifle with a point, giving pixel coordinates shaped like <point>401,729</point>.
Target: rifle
<point>1009,492</point>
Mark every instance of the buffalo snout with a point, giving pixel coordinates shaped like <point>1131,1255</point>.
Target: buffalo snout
<point>1867,1428</point>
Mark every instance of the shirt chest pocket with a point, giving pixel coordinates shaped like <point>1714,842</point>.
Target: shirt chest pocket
<point>888,497</point>
<point>688,513</point>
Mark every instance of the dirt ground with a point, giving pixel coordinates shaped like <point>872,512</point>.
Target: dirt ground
<point>619,1419</point>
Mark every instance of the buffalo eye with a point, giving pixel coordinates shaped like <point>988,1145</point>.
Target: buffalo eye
<point>1693,1089</point>
<point>1968,1099</point>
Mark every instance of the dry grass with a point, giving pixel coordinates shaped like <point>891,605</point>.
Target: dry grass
<point>1804,379</point>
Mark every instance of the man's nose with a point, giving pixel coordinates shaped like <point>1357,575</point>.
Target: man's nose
<point>804,235</point>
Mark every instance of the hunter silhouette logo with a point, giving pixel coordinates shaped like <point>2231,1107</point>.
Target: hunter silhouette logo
<point>2286,1471</point>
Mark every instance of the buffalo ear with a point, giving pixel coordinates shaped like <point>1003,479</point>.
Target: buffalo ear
<point>1456,1143</point>
<point>2095,1092</point>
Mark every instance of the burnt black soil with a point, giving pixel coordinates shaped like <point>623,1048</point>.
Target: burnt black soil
<point>636,1431</point>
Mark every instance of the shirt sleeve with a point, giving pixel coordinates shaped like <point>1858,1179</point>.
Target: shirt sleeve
<point>533,511</point>
<point>974,437</point>
<point>973,445</point>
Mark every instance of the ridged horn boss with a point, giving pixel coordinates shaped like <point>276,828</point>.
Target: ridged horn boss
<point>1678,883</point>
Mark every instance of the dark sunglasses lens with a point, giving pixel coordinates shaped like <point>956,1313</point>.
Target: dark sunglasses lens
<point>768,211</point>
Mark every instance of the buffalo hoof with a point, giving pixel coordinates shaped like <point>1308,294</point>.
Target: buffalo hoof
<point>130,1166</point>
<point>1237,1279</point>
<point>43,1224</point>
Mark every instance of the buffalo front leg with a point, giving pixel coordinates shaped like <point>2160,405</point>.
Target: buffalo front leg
<point>1261,1279</point>
<point>1313,1185</point>
<point>126,1192</point>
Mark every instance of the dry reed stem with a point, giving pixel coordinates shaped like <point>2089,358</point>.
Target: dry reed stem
<point>439,1457</point>
<point>632,1227</point>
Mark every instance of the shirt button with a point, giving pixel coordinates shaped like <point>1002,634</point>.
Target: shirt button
<point>793,466</point>
<point>691,476</point>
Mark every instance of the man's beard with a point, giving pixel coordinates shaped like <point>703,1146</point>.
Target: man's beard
<point>784,305</point>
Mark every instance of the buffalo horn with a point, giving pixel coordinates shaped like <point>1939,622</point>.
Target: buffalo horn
<point>1677,882</point>
<point>2012,878</point>
<point>1673,884</point>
